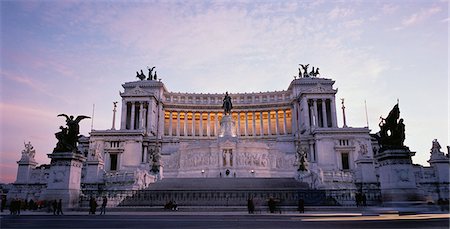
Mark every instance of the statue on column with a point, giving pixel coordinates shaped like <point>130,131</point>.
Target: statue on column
<point>68,137</point>
<point>227,104</point>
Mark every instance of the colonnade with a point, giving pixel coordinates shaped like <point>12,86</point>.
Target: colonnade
<point>321,113</point>
<point>136,115</point>
<point>207,123</point>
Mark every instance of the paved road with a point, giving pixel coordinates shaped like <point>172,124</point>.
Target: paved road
<point>225,221</point>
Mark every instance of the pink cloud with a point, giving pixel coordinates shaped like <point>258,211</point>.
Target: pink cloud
<point>421,16</point>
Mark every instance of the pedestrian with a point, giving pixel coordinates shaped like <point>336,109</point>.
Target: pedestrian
<point>272,205</point>
<point>59,207</point>
<point>103,208</point>
<point>301,206</point>
<point>3,206</point>
<point>250,206</point>
<point>363,199</point>
<point>54,206</point>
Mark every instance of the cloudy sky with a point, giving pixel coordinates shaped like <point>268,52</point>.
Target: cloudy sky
<point>64,56</point>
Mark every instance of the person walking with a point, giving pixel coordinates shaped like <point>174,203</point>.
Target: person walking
<point>103,208</point>
<point>59,207</point>
<point>54,206</point>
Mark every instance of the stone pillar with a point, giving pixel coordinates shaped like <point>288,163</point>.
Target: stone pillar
<point>324,114</point>
<point>306,118</point>
<point>185,123</point>
<point>193,124</point>
<point>261,122</point>
<point>64,178</point>
<point>141,115</point>
<point>276,122</point>
<point>133,110</point>
<point>254,123</point>
<point>149,117</point>
<point>284,122</point>
<point>208,125</point>
<point>316,119</point>
<point>216,124</point>
<point>294,119</point>
<point>269,125</point>
<point>26,165</point>
<point>239,123</point>
<point>200,125</point>
<point>170,123</point>
<point>333,113</point>
<point>123,120</point>
<point>178,123</point>
<point>246,124</point>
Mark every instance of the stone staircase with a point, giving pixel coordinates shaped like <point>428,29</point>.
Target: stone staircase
<point>224,192</point>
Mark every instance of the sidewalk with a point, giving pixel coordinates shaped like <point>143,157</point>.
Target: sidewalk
<point>314,211</point>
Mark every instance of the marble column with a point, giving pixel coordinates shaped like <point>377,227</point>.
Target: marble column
<point>141,115</point>
<point>276,122</point>
<point>238,123</point>
<point>254,123</point>
<point>170,123</point>
<point>200,125</point>
<point>316,119</point>
<point>246,124</point>
<point>294,118</point>
<point>193,124</point>
<point>261,122</point>
<point>216,124</point>
<point>333,113</point>
<point>178,123</point>
<point>149,117</point>
<point>123,121</point>
<point>185,123</point>
<point>284,122</point>
<point>324,113</point>
<point>269,124</point>
<point>133,110</point>
<point>208,126</point>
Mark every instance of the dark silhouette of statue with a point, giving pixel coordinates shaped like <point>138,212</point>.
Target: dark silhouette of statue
<point>150,70</point>
<point>227,104</point>
<point>68,137</point>
<point>317,72</point>
<point>299,73</point>
<point>305,70</point>
<point>312,72</point>
<point>141,76</point>
<point>392,130</point>
<point>155,76</point>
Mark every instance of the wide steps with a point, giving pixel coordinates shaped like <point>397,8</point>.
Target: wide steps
<point>187,184</point>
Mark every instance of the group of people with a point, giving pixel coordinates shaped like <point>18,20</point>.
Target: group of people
<point>171,205</point>
<point>57,207</point>
<point>93,206</point>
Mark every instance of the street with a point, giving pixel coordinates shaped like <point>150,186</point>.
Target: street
<point>207,220</point>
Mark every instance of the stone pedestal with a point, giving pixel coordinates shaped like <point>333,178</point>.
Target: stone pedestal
<point>94,171</point>
<point>365,171</point>
<point>24,170</point>
<point>397,181</point>
<point>64,178</point>
<point>227,127</point>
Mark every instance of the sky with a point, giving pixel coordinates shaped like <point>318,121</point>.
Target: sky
<point>65,56</point>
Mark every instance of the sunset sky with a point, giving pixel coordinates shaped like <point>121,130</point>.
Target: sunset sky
<point>64,56</point>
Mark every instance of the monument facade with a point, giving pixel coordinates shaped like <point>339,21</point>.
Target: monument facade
<point>292,133</point>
